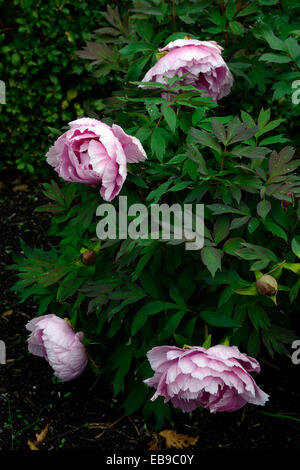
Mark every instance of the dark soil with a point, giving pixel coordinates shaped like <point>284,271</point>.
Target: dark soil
<point>83,414</point>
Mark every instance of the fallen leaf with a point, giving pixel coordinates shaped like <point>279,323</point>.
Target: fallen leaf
<point>154,444</point>
<point>178,440</point>
<point>40,438</point>
<point>6,314</point>
<point>20,187</point>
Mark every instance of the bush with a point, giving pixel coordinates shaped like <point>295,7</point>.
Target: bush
<point>46,83</point>
<point>229,157</point>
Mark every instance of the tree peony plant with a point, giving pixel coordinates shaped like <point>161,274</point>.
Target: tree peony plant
<point>216,378</point>
<point>202,61</point>
<point>93,153</point>
<point>54,339</point>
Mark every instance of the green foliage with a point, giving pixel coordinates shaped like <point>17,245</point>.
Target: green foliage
<point>47,85</point>
<point>234,157</point>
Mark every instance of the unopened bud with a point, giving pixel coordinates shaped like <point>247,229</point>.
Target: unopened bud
<point>89,258</point>
<point>267,285</point>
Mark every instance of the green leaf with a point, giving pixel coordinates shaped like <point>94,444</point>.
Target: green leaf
<point>225,296</point>
<point>224,209</point>
<point>179,185</point>
<point>239,222</point>
<point>230,9</point>
<point>276,58</point>
<point>253,345</point>
<point>248,10</point>
<point>258,317</point>
<point>236,27</point>
<point>153,111</point>
<point>197,115</point>
<point>136,398</point>
<point>206,139</point>
<point>232,245</point>
<point>250,152</point>
<point>211,257</point>
<point>122,361</point>
<point>221,228</point>
<point>159,142</point>
<point>196,156</point>
<point>207,342</point>
<point>277,139</point>
<point>219,130</point>
<point>171,325</point>
<point>293,48</point>
<point>260,264</point>
<point>253,224</point>
<point>264,117</point>
<point>54,275</point>
<point>176,296</point>
<point>136,67</point>
<point>273,41</point>
<point>250,290</point>
<point>269,127</point>
<point>217,319</point>
<point>133,48</point>
<point>275,229</point>
<point>294,291</point>
<point>170,116</point>
<point>263,208</point>
<point>296,245</point>
<point>149,309</point>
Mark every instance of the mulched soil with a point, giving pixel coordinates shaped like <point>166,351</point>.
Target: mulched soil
<point>83,415</point>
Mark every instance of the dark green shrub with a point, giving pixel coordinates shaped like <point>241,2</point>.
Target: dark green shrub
<point>234,157</point>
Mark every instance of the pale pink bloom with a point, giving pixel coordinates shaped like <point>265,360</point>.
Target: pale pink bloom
<point>203,62</point>
<point>93,153</point>
<point>216,378</point>
<point>54,339</point>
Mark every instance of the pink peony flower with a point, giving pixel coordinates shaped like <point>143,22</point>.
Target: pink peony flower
<point>92,153</point>
<point>216,378</point>
<point>54,339</point>
<point>203,62</point>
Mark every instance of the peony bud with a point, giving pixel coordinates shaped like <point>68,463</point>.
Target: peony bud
<point>89,258</point>
<point>267,285</point>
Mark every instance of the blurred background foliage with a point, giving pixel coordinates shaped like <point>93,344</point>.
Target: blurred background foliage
<point>48,84</point>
